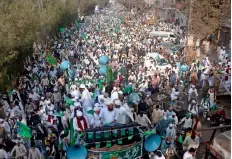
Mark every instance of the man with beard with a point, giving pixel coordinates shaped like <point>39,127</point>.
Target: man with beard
<point>108,114</point>
<point>80,122</point>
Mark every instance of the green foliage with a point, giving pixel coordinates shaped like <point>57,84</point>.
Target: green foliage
<point>23,22</point>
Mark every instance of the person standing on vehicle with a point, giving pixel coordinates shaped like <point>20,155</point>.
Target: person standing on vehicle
<point>122,113</point>
<point>86,99</point>
<point>143,120</point>
<point>108,114</point>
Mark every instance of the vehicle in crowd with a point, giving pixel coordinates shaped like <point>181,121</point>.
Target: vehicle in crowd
<point>164,35</point>
<point>175,49</point>
<point>129,141</point>
<point>167,44</point>
<point>222,145</point>
<point>156,60</point>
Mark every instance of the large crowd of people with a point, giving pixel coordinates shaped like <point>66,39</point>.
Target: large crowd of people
<point>52,101</point>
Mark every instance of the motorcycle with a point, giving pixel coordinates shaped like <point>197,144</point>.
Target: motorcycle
<point>205,114</point>
<point>219,118</point>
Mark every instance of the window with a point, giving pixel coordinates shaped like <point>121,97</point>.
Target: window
<point>161,61</point>
<point>172,36</point>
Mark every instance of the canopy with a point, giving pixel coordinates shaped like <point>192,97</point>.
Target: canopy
<point>222,144</point>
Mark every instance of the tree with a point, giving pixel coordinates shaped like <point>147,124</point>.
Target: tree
<point>206,15</point>
<point>23,22</point>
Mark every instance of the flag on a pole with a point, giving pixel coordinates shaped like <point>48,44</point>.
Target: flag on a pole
<point>68,101</point>
<point>77,24</point>
<point>62,30</point>
<point>122,19</point>
<point>23,130</point>
<point>116,30</point>
<point>83,36</point>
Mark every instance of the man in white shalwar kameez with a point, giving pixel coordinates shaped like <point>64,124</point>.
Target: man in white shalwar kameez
<point>114,94</point>
<point>122,113</point>
<point>86,99</point>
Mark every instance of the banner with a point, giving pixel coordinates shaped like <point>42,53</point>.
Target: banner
<point>132,152</point>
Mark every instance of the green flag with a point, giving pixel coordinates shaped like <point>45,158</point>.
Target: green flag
<point>128,89</point>
<point>77,24</point>
<point>62,30</point>
<point>95,94</point>
<point>122,19</point>
<point>51,60</point>
<point>91,112</point>
<point>23,130</point>
<point>116,30</point>
<point>72,137</point>
<point>180,139</point>
<point>10,93</point>
<point>100,84</point>
<point>68,101</point>
<point>83,35</point>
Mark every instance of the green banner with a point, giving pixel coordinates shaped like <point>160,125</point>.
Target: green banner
<point>132,152</point>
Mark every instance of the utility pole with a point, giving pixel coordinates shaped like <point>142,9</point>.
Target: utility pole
<point>190,18</point>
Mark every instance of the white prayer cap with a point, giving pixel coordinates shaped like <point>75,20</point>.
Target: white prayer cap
<point>101,96</point>
<point>77,104</point>
<point>76,79</point>
<point>165,118</point>
<point>117,102</point>
<point>109,102</point>
<point>42,98</point>
<point>48,102</point>
<point>170,125</point>
<point>21,141</point>
<point>106,94</point>
<point>120,92</point>
<point>82,86</point>
<point>1,120</point>
<point>96,104</point>
<point>130,83</point>
<point>173,113</point>
<point>55,89</point>
<point>50,112</point>
<point>89,108</point>
<point>193,86</point>
<point>79,113</point>
<point>96,108</point>
<point>114,88</point>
